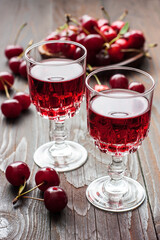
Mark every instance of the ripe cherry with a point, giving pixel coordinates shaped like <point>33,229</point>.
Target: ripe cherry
<point>91,57</point>
<point>11,108</point>
<point>135,39</point>
<point>23,69</point>
<point>55,199</point>
<point>78,53</point>
<point>108,32</point>
<point>102,58</point>
<point>53,48</point>
<point>23,99</point>
<point>48,176</point>
<point>122,42</point>
<point>69,34</point>
<point>93,42</point>
<point>117,25</point>
<point>13,51</point>
<point>7,79</point>
<point>101,87</point>
<point>88,23</point>
<point>102,22</point>
<point>136,86</point>
<point>115,53</point>
<point>14,64</point>
<point>80,37</point>
<point>118,81</point>
<point>17,173</point>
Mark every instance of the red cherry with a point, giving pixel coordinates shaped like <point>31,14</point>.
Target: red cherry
<point>23,99</point>
<point>93,42</point>
<point>136,86</point>
<point>14,64</point>
<point>73,28</point>
<point>115,53</point>
<point>108,32</point>
<point>80,37</point>
<point>78,53</point>
<point>69,34</point>
<point>17,172</point>
<point>52,36</point>
<point>47,175</point>
<point>55,199</point>
<point>102,22</point>
<point>122,42</point>
<point>52,47</point>
<point>23,69</point>
<point>13,51</point>
<point>6,78</point>
<point>88,23</point>
<point>100,88</point>
<point>117,25</point>
<point>118,81</point>
<point>91,57</point>
<point>11,108</point>
<point>135,39</point>
<point>102,58</point>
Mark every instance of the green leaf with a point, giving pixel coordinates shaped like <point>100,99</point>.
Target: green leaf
<point>124,29</point>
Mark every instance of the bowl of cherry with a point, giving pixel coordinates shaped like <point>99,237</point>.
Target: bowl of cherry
<point>47,180</point>
<point>107,43</point>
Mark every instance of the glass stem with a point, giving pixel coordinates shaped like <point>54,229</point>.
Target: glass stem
<point>116,168</point>
<point>116,186</point>
<point>59,135</point>
<point>60,147</point>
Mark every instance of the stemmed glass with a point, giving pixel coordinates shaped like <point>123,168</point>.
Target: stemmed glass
<point>118,121</point>
<point>56,76</point>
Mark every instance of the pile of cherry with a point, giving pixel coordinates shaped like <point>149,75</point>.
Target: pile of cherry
<point>106,42</point>
<point>47,180</point>
<point>12,107</point>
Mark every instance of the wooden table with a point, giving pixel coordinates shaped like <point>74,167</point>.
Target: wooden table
<point>20,138</point>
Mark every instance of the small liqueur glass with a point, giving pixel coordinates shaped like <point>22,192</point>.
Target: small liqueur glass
<point>56,76</point>
<point>118,121</point>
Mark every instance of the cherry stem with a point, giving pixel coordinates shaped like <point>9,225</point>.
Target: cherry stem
<point>124,14</point>
<point>8,83</point>
<point>30,190</point>
<point>145,53</point>
<point>18,33</point>
<point>39,199</point>
<point>5,88</point>
<point>152,45</point>
<point>132,50</point>
<point>106,14</point>
<point>100,33</point>
<point>77,23</point>
<point>29,44</point>
<point>91,69</point>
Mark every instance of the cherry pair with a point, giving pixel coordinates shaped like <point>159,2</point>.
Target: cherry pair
<point>47,180</point>
<point>11,108</point>
<point>14,53</point>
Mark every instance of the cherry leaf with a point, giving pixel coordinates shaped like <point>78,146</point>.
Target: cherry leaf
<point>124,29</point>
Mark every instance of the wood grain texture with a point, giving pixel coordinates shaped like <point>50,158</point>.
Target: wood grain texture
<point>19,139</point>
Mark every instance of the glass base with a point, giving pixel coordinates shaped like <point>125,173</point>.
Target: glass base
<point>112,202</point>
<point>69,158</point>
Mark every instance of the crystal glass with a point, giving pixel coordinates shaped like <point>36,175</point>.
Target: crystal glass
<point>56,76</point>
<point>118,121</point>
